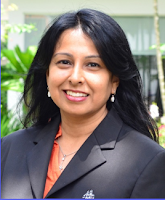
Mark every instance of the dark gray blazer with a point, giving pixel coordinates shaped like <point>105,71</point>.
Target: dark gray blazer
<point>114,162</point>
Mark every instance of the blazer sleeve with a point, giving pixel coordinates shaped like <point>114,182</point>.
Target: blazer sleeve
<point>151,183</point>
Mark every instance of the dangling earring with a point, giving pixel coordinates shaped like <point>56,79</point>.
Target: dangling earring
<point>48,92</point>
<point>112,98</point>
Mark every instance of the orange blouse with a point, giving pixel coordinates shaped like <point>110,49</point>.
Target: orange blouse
<point>53,168</point>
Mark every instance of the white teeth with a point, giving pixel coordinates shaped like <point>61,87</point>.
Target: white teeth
<point>76,94</point>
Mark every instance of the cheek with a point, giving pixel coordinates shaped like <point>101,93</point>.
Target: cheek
<point>56,77</point>
<point>101,83</point>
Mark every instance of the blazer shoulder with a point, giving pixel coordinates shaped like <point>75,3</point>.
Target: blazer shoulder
<point>139,142</point>
<point>20,140</point>
<point>153,175</point>
<point>20,135</point>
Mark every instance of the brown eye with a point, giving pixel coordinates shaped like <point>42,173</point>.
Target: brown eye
<point>93,65</point>
<point>64,62</point>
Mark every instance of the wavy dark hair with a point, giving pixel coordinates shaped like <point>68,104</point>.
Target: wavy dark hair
<point>112,45</point>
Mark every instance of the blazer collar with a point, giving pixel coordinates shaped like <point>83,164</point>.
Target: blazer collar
<point>108,130</point>
<point>38,157</point>
<point>90,154</point>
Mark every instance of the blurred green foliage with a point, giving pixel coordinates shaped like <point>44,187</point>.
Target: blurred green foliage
<point>14,72</point>
<point>161,128</point>
<point>14,67</point>
<point>7,28</point>
<point>162,49</point>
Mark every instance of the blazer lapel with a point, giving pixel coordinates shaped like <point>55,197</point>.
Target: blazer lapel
<point>108,130</point>
<point>81,163</point>
<point>90,154</point>
<point>38,158</point>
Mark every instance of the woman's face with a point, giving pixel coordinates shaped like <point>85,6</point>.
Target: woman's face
<point>78,81</point>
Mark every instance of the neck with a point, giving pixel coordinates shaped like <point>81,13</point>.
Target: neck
<point>76,129</point>
<point>80,126</point>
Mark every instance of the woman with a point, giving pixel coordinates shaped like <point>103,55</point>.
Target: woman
<point>91,135</point>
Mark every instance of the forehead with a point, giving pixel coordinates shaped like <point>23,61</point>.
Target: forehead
<point>77,37</point>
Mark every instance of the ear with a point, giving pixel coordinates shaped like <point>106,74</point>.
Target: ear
<point>115,84</point>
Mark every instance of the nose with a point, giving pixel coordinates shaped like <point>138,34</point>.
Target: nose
<point>77,75</point>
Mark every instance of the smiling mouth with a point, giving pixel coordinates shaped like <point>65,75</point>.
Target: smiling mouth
<point>75,94</point>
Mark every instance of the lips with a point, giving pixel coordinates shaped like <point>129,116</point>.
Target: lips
<point>75,93</point>
<point>75,96</point>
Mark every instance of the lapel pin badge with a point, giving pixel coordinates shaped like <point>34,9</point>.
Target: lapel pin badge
<point>89,195</point>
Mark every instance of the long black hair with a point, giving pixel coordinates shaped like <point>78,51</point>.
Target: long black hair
<point>113,47</point>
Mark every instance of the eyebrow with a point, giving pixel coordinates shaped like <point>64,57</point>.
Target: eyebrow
<point>93,56</point>
<point>66,54</point>
<point>70,55</point>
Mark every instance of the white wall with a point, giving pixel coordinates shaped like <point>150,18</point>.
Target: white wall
<point>55,7</point>
<point>112,7</point>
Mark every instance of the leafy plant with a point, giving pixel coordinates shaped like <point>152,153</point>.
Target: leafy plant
<point>162,49</point>
<point>14,72</point>
<point>9,123</point>
<point>13,75</point>
<point>6,27</point>
<point>162,135</point>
